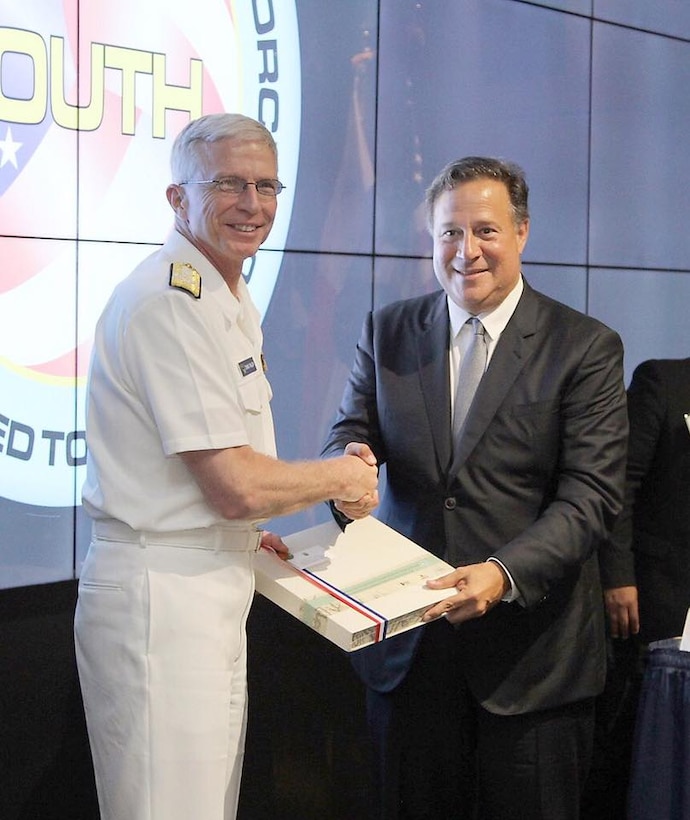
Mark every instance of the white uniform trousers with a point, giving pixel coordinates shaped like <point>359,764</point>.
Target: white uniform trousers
<point>161,653</point>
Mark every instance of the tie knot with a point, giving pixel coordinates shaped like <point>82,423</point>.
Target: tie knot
<point>476,325</point>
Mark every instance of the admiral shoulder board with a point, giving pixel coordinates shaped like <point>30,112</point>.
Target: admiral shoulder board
<point>185,277</point>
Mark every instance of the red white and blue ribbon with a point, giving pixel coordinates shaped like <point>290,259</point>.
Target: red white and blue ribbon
<point>380,623</point>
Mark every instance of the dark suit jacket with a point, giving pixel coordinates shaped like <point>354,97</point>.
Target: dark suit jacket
<point>538,482</point>
<point>650,545</point>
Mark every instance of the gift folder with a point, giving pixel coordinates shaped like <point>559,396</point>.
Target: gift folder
<point>355,587</point>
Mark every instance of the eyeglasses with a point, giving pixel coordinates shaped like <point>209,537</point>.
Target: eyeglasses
<point>236,185</point>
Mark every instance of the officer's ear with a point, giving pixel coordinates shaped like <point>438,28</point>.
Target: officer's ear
<point>177,198</point>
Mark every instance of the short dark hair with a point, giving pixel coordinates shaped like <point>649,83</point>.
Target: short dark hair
<point>470,168</point>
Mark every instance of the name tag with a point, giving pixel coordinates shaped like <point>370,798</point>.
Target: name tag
<point>247,366</point>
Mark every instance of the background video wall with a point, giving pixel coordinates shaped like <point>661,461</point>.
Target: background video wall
<point>367,100</point>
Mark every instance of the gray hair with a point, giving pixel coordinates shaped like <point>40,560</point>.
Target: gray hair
<point>184,158</point>
<point>471,168</point>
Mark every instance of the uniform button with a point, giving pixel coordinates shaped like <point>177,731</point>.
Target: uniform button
<point>450,503</point>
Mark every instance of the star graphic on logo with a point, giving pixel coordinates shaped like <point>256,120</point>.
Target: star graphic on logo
<point>9,148</point>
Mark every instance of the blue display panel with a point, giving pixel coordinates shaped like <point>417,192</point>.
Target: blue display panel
<point>483,77</point>
<point>640,160</point>
<point>670,17</point>
<point>565,284</point>
<point>37,544</point>
<point>576,6</point>
<point>310,332</point>
<point>648,308</point>
<point>334,198</point>
<point>401,278</point>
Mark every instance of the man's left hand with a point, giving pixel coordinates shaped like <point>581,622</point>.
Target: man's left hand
<point>274,543</point>
<point>477,589</point>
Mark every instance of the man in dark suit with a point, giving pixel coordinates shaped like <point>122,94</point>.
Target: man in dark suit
<point>646,564</point>
<point>494,700</point>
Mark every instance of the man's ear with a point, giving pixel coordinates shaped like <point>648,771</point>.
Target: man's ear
<point>176,197</point>
<point>523,233</point>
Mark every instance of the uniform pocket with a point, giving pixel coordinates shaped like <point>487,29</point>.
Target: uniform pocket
<point>253,393</point>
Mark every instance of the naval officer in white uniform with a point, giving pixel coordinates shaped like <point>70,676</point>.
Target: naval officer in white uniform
<point>181,471</point>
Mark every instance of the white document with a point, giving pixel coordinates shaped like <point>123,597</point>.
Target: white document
<point>355,587</point>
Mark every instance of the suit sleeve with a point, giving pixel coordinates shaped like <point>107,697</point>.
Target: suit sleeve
<point>646,409</point>
<point>588,481</point>
<point>357,416</point>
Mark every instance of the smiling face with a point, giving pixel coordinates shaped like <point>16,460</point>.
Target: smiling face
<point>227,228</point>
<point>477,244</point>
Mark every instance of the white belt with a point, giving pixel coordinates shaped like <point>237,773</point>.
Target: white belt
<point>205,538</point>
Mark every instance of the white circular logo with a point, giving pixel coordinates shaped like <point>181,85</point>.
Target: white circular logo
<point>84,163</point>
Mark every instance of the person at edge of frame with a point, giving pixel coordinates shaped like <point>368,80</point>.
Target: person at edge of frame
<point>645,564</point>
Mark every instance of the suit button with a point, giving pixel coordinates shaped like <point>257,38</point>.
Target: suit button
<point>450,503</point>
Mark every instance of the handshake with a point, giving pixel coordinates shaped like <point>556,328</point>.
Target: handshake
<point>359,474</point>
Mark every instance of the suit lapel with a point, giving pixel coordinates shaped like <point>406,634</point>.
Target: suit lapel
<point>433,374</point>
<point>509,358</point>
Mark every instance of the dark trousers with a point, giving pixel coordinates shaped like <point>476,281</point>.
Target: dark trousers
<point>440,754</point>
<point>659,784</point>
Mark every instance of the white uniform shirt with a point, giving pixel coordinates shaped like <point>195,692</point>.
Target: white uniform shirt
<point>171,373</point>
